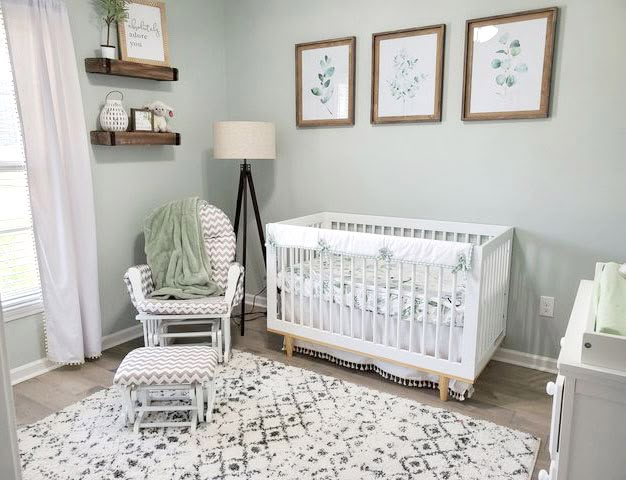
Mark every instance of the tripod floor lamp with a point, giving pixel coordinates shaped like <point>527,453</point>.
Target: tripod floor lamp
<point>245,141</point>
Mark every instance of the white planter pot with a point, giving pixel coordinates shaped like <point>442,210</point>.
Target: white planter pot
<point>108,52</point>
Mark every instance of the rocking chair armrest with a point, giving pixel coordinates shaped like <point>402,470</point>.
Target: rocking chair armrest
<point>234,289</point>
<point>138,280</point>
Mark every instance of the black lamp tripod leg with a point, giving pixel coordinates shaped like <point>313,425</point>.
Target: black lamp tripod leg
<point>255,205</point>
<point>243,256</point>
<point>242,177</point>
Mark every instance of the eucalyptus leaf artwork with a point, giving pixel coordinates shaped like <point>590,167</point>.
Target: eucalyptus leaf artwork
<point>407,81</point>
<point>325,89</point>
<point>507,63</point>
<point>325,83</point>
<point>508,66</point>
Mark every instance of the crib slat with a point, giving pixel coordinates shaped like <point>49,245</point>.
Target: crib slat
<point>282,290</point>
<point>439,310</point>
<point>490,297</point>
<point>375,300</point>
<point>400,304</point>
<point>292,295</point>
<point>387,299</point>
<point>494,295</point>
<point>301,255</point>
<point>321,291</point>
<point>498,304</point>
<point>311,287</point>
<point>503,268</point>
<point>452,314</point>
<point>425,309</point>
<point>331,291</point>
<point>363,296</point>
<point>352,297</point>
<point>341,302</point>
<point>412,318</point>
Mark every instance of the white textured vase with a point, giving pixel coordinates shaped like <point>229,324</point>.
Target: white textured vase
<point>113,117</point>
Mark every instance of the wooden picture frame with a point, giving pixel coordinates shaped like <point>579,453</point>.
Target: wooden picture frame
<point>323,69</point>
<point>533,83</point>
<point>143,36</point>
<point>418,84</point>
<point>133,120</point>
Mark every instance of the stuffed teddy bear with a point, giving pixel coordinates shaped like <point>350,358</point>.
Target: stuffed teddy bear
<point>160,110</point>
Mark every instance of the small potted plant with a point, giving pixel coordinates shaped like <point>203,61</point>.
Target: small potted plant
<point>111,11</point>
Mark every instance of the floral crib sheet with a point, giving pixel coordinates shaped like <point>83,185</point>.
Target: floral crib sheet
<point>310,272</point>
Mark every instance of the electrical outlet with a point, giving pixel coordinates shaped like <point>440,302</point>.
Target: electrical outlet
<point>546,307</point>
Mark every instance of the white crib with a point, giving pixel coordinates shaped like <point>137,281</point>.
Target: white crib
<point>413,307</point>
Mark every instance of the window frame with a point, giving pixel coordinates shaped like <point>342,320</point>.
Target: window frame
<point>29,302</point>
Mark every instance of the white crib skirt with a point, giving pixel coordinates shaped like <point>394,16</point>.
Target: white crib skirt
<point>374,328</point>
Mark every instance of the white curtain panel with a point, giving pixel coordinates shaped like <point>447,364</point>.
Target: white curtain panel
<point>59,173</point>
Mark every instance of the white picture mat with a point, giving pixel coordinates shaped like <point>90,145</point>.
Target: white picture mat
<point>143,121</point>
<point>144,33</point>
<point>339,103</point>
<point>525,95</point>
<point>422,47</point>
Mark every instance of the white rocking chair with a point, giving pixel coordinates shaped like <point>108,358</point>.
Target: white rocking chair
<point>214,312</point>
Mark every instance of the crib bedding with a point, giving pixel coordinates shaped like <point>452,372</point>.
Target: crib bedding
<point>303,278</point>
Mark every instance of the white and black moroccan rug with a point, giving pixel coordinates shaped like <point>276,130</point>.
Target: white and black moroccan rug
<point>274,421</point>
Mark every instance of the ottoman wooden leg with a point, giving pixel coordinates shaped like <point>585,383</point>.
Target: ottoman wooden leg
<point>194,413</point>
<point>200,400</point>
<point>128,408</point>
<point>210,400</point>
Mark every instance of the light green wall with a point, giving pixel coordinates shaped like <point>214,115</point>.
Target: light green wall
<point>559,181</point>
<point>25,340</point>
<point>131,181</point>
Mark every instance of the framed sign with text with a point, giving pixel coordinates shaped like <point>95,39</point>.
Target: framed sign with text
<point>143,35</point>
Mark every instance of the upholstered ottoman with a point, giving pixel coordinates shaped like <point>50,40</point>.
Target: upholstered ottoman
<point>151,378</point>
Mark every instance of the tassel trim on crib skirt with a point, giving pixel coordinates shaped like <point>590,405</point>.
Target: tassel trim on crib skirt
<point>373,368</point>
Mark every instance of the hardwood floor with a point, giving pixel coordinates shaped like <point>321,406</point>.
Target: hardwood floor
<point>505,394</point>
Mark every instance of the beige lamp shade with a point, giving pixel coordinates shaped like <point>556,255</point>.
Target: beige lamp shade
<point>244,140</point>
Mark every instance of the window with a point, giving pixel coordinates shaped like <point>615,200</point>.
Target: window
<point>19,276</point>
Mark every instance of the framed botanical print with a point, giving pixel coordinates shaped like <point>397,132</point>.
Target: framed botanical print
<point>325,74</point>
<point>407,75</point>
<point>508,66</point>
<point>143,35</point>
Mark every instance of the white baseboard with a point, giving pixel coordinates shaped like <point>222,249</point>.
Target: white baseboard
<point>123,336</point>
<point>528,360</point>
<point>43,365</point>
<point>31,370</point>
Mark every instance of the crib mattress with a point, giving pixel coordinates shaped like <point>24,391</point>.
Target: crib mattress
<point>312,278</point>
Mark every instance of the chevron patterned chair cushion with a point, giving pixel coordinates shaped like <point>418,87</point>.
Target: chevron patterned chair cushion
<point>198,306</point>
<point>167,366</point>
<point>219,241</point>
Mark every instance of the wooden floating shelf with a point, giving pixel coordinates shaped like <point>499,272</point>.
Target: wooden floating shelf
<point>113,139</point>
<point>107,66</point>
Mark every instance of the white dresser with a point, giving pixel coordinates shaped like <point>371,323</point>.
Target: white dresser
<point>588,431</point>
